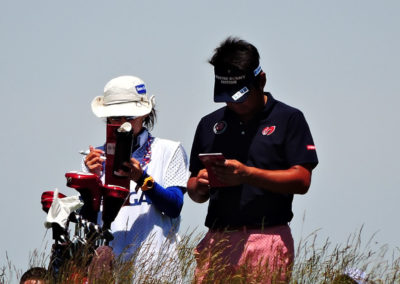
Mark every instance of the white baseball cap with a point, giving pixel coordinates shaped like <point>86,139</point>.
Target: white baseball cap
<point>123,96</point>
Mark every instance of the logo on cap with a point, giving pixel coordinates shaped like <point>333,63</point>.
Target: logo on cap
<point>257,71</point>
<point>220,127</point>
<point>268,130</point>
<point>240,94</point>
<point>141,89</point>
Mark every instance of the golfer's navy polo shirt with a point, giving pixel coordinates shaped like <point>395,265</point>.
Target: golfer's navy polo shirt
<point>278,138</point>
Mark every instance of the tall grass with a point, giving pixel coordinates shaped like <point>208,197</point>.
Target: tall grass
<point>315,262</point>
<point>324,262</point>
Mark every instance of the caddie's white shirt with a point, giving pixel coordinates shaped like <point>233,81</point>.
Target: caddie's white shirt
<point>140,225</point>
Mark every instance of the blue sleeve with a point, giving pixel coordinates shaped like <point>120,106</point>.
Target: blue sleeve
<point>168,200</point>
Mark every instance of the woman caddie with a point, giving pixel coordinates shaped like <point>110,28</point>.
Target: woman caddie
<point>147,225</point>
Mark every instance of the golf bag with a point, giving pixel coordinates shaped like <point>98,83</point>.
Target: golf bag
<point>90,234</point>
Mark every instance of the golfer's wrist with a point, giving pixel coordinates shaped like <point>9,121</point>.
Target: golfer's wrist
<point>247,175</point>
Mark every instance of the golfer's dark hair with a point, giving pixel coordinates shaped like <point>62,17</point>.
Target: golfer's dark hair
<point>237,54</point>
<point>34,273</point>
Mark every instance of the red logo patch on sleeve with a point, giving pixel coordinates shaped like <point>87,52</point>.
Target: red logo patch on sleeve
<point>310,147</point>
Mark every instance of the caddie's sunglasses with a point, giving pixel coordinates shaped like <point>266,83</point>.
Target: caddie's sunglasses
<point>120,118</point>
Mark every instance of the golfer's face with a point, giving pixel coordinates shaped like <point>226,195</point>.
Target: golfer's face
<point>246,107</point>
<point>136,122</point>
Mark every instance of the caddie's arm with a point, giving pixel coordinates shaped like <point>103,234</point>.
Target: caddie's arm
<point>198,187</point>
<point>94,161</point>
<point>168,200</point>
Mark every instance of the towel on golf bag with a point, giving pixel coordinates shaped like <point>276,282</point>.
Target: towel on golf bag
<point>61,208</point>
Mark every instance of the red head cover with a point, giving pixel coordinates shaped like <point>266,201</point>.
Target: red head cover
<point>88,185</point>
<point>47,199</point>
<point>113,199</point>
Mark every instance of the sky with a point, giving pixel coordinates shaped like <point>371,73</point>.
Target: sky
<point>337,61</point>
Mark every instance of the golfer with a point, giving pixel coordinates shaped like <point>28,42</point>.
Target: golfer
<point>269,156</point>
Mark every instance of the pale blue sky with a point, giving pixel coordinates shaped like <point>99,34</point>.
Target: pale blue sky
<point>338,61</point>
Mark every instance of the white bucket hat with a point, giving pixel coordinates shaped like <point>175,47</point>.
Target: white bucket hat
<point>123,96</point>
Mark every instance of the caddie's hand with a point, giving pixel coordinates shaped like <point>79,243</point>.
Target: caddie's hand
<point>230,172</point>
<point>93,160</point>
<point>135,170</point>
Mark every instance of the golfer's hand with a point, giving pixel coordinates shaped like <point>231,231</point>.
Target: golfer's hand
<point>135,170</point>
<point>93,160</point>
<point>199,187</point>
<point>230,172</point>
<point>202,183</point>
